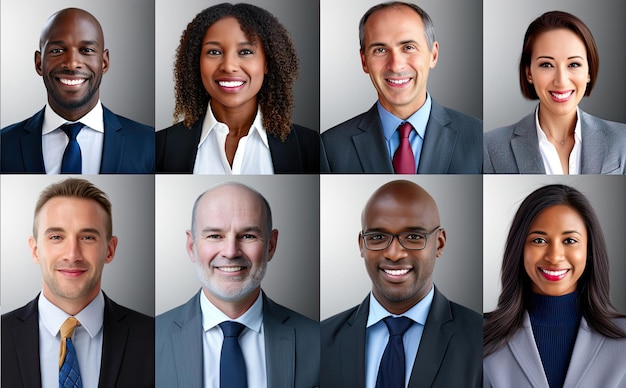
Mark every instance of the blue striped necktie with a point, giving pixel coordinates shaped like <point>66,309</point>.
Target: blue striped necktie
<point>69,372</point>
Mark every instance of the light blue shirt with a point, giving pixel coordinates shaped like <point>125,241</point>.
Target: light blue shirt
<point>87,339</point>
<point>377,336</point>
<point>418,120</point>
<point>251,340</point>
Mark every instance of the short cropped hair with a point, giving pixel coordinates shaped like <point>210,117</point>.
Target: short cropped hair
<point>555,20</point>
<point>429,27</point>
<point>76,188</point>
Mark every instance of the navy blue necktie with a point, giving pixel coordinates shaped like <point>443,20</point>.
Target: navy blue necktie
<point>392,370</point>
<point>72,159</point>
<point>232,364</point>
<point>69,372</point>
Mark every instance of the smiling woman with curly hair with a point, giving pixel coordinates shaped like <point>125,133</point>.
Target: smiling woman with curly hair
<point>234,73</point>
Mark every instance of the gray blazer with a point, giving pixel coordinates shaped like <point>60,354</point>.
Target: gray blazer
<point>292,347</point>
<point>597,361</point>
<point>514,149</point>
<point>452,144</point>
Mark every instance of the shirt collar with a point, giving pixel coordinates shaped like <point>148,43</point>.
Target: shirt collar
<point>418,120</point>
<point>212,316</point>
<point>210,124</point>
<point>544,138</point>
<point>91,317</point>
<point>417,313</point>
<point>94,119</point>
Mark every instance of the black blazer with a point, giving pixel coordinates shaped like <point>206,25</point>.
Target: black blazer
<point>449,355</point>
<point>128,146</point>
<point>127,347</point>
<point>177,146</point>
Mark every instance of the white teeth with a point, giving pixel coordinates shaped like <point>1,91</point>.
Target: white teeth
<point>71,82</point>
<point>230,84</point>
<point>554,273</point>
<point>399,81</point>
<point>396,272</point>
<point>562,96</point>
<point>231,269</point>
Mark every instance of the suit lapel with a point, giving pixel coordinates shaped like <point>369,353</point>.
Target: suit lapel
<point>434,343</point>
<point>113,147</point>
<point>439,142</point>
<point>352,347</point>
<point>280,346</point>
<point>370,144</point>
<point>113,344</point>
<point>585,351</point>
<point>285,155</point>
<point>187,345</point>
<point>27,353</point>
<point>525,146</point>
<point>594,145</point>
<point>30,144</point>
<point>525,352</point>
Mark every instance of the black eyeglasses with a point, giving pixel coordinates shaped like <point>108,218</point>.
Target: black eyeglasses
<point>378,241</point>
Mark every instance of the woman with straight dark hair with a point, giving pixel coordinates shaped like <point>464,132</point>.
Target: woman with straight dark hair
<point>235,69</point>
<point>555,325</point>
<point>558,66</point>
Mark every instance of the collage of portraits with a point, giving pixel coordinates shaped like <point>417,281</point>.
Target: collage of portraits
<point>312,193</point>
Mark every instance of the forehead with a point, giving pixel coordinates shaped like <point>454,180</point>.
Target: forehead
<point>227,27</point>
<point>61,210</point>
<point>230,203</point>
<point>559,42</point>
<point>559,216</point>
<point>398,212</point>
<point>394,22</point>
<point>72,24</point>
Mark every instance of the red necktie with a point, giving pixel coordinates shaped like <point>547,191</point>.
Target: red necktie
<point>403,159</point>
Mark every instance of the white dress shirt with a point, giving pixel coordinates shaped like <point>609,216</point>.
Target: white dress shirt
<point>251,340</point>
<point>87,339</point>
<point>251,157</point>
<point>550,157</point>
<point>90,139</point>
<point>377,336</point>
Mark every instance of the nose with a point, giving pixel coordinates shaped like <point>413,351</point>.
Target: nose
<point>73,252</point>
<point>230,247</point>
<point>555,253</point>
<point>395,251</point>
<point>73,59</point>
<point>560,78</point>
<point>230,63</point>
<point>396,61</point>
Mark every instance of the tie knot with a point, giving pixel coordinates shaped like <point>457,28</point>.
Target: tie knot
<point>72,129</point>
<point>405,129</point>
<point>67,328</point>
<point>397,326</point>
<point>232,328</point>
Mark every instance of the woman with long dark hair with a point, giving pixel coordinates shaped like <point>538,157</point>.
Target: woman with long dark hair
<point>555,325</point>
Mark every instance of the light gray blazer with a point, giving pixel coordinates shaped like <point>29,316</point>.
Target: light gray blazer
<point>597,361</point>
<point>514,149</point>
<point>292,347</point>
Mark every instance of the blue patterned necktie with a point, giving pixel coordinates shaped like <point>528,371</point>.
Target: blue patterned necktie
<point>72,159</point>
<point>69,372</point>
<point>391,371</point>
<point>232,364</point>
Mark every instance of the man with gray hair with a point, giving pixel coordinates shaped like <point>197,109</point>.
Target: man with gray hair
<point>230,334</point>
<point>406,131</point>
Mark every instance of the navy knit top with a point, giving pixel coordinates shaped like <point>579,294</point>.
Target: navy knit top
<point>555,321</point>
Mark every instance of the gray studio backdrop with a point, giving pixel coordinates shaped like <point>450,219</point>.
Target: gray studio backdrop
<point>505,23</point>
<point>128,279</point>
<point>344,279</point>
<point>456,81</point>
<point>504,194</point>
<point>300,18</point>
<point>127,88</point>
<point>292,277</point>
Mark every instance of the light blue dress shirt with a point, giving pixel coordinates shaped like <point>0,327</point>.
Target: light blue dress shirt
<point>377,336</point>
<point>418,120</point>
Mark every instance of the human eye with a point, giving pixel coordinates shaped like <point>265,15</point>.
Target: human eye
<point>545,65</point>
<point>570,240</point>
<point>213,236</point>
<point>88,50</point>
<point>410,47</point>
<point>575,65</point>
<point>55,50</point>
<point>379,51</point>
<point>54,237</point>
<point>213,52</point>
<point>246,51</point>
<point>538,240</point>
<point>249,237</point>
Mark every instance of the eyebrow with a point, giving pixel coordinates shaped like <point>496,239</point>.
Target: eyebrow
<point>56,229</point>
<point>542,233</point>
<point>214,43</point>
<point>401,43</point>
<point>416,229</point>
<point>246,229</point>
<point>548,57</point>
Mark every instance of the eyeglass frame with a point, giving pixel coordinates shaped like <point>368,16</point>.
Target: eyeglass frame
<point>397,235</point>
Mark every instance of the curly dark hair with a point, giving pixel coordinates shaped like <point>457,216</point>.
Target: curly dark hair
<point>276,94</point>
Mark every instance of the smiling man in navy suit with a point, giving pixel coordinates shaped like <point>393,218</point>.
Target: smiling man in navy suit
<point>72,59</point>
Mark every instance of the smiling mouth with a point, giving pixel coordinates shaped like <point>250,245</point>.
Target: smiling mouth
<point>71,82</point>
<point>398,82</point>
<point>553,275</point>
<point>230,84</point>
<point>562,96</point>
<point>231,269</point>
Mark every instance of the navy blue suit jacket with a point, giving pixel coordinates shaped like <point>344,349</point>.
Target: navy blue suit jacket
<point>128,146</point>
<point>127,347</point>
<point>177,147</point>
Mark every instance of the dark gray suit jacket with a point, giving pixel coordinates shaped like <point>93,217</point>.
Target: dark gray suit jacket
<point>452,144</point>
<point>292,347</point>
<point>597,361</point>
<point>449,354</point>
<point>514,149</point>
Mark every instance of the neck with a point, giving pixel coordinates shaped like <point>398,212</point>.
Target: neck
<point>70,306</point>
<point>238,119</point>
<point>233,309</point>
<point>558,129</point>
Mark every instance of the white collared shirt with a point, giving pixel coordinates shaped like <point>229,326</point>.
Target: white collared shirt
<point>252,341</point>
<point>90,139</point>
<point>550,156</point>
<point>377,336</point>
<point>251,157</point>
<point>87,339</point>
